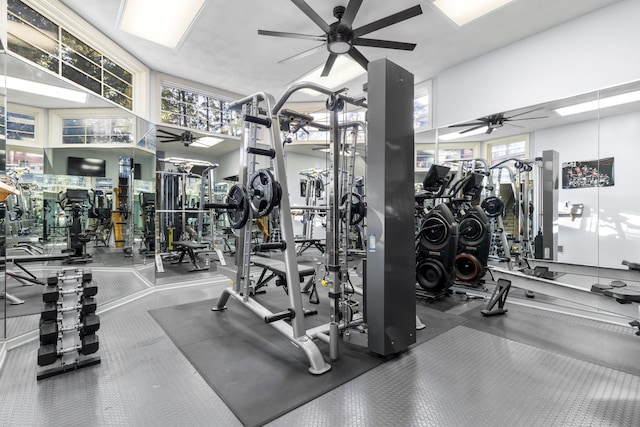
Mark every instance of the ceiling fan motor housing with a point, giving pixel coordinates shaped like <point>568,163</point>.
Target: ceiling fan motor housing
<point>339,39</point>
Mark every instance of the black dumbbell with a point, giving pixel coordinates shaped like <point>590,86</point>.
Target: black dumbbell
<point>48,354</point>
<point>50,310</point>
<point>50,331</point>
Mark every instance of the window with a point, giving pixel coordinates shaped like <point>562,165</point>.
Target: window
<point>21,127</point>
<point>196,110</point>
<point>422,106</point>
<point>37,38</point>
<point>425,153</point>
<point>516,147</point>
<point>97,131</point>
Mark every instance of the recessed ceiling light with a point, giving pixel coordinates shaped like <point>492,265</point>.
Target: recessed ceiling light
<point>206,141</point>
<point>165,22</point>
<point>610,101</point>
<point>465,11</point>
<point>42,89</point>
<point>343,71</point>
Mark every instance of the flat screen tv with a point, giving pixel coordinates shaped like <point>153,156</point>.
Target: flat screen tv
<point>79,166</point>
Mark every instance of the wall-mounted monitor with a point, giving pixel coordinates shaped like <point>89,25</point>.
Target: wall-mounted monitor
<point>79,166</point>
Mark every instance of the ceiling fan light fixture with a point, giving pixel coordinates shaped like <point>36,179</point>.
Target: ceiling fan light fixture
<point>339,47</point>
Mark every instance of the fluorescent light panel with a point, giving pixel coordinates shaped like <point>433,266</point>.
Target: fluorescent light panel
<point>343,71</point>
<point>458,135</point>
<point>206,142</point>
<point>161,21</point>
<point>610,101</point>
<point>42,89</point>
<point>464,11</point>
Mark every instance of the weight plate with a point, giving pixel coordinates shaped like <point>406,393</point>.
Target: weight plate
<point>493,206</point>
<point>264,193</point>
<point>238,196</point>
<point>358,209</point>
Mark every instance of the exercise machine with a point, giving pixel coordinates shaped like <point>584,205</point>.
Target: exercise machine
<point>73,202</point>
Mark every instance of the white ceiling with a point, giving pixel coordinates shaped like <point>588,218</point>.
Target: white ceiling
<point>223,49</point>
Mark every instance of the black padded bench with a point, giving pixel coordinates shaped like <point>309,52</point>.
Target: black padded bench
<point>308,243</point>
<point>276,268</point>
<point>192,249</point>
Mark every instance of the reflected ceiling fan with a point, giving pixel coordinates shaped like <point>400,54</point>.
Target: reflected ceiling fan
<point>495,121</point>
<point>187,138</point>
<point>340,38</point>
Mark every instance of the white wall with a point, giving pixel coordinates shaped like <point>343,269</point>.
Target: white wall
<point>609,229</point>
<point>592,52</point>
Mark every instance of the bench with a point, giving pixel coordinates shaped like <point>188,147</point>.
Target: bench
<point>186,247</point>
<point>308,243</point>
<point>276,269</point>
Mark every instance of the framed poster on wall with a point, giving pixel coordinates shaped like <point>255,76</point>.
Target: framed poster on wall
<point>588,173</point>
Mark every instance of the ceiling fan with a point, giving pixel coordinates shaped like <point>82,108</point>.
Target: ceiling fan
<point>187,138</point>
<point>340,38</point>
<point>495,121</point>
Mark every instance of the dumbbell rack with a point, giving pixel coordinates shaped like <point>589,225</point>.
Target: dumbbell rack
<point>68,323</point>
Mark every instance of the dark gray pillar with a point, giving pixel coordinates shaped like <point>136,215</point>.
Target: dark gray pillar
<point>390,293</point>
<point>550,182</point>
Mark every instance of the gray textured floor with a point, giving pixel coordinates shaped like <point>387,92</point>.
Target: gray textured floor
<point>461,378</point>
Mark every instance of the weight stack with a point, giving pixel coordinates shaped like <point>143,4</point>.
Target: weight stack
<point>68,323</point>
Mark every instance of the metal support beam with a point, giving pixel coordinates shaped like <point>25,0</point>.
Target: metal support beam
<point>550,182</point>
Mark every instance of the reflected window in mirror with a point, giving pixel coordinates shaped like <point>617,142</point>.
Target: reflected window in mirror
<point>514,147</point>
<point>426,153</point>
<point>107,126</point>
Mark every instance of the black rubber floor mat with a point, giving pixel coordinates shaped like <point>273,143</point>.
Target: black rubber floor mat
<point>256,371</point>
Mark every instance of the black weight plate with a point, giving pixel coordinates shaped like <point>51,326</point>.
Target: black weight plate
<point>264,193</point>
<point>493,206</point>
<point>238,196</point>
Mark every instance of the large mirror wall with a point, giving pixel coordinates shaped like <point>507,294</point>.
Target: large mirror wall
<point>80,165</point>
<point>597,216</point>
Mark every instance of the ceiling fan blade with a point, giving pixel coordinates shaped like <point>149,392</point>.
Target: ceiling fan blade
<point>359,58</point>
<point>474,128</point>
<point>328,65</point>
<point>387,44</point>
<point>303,54</point>
<point>171,135</point>
<point>306,9</point>
<point>525,118</point>
<point>522,114</point>
<point>292,35</point>
<point>517,126</point>
<point>489,130</point>
<point>462,125</point>
<point>350,13</point>
<point>389,20</point>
